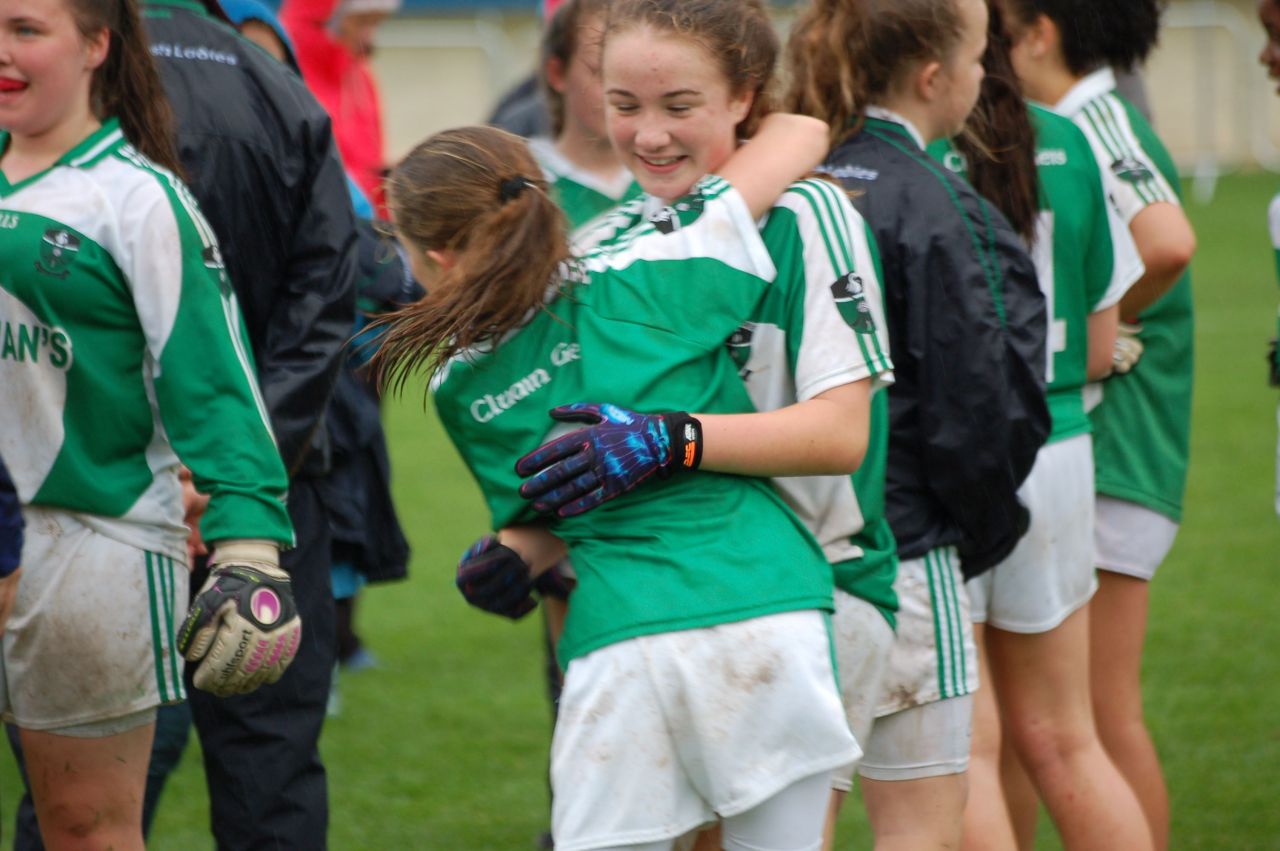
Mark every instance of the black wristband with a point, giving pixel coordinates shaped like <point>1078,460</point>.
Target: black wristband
<point>685,432</point>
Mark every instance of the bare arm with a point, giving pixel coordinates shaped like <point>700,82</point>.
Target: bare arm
<point>540,549</point>
<point>1166,242</point>
<point>785,148</point>
<point>1102,339</point>
<point>825,435</point>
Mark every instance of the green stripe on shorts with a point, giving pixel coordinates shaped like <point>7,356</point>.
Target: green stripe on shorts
<point>161,686</point>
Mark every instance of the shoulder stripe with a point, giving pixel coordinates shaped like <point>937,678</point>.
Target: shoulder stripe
<point>1118,118</point>
<point>112,138</point>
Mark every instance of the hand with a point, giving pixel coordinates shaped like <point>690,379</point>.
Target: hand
<point>1128,348</point>
<point>618,450</point>
<point>193,505</point>
<point>243,627</point>
<point>8,593</point>
<point>493,577</point>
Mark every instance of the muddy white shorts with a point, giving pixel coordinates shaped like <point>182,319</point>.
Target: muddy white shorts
<point>660,734</point>
<point>91,637</point>
<point>863,640</point>
<point>1050,573</point>
<point>1130,538</point>
<point>933,655</point>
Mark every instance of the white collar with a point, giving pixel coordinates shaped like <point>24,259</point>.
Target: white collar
<point>556,164</point>
<point>1088,87</point>
<point>883,114</point>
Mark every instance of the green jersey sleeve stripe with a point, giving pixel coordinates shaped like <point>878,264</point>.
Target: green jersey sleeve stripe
<point>1118,118</point>
<point>837,254</point>
<point>231,310</point>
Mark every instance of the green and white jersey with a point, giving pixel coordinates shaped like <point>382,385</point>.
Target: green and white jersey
<point>1142,423</point>
<point>124,355</point>
<point>643,323</point>
<point>1084,255</point>
<point>820,326</point>
<point>581,194</point>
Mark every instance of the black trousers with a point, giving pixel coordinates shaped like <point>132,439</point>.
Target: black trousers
<point>267,786</point>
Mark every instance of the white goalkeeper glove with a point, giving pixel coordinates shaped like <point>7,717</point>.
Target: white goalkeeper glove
<point>243,627</point>
<point>1128,348</point>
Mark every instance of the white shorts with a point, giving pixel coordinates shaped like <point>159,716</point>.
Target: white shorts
<point>924,741</point>
<point>89,646</point>
<point>1050,572</point>
<point>1130,538</point>
<point>660,734</point>
<point>863,640</point>
<point>933,655</point>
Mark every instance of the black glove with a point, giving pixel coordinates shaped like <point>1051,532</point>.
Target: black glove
<point>495,578</point>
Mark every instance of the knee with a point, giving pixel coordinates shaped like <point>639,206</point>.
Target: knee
<point>67,825</point>
<point>1044,746</point>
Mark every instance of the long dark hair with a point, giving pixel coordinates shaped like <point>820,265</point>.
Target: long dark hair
<point>999,141</point>
<point>738,34</point>
<point>475,191</point>
<point>126,85</point>
<point>1095,33</point>
<point>844,54</point>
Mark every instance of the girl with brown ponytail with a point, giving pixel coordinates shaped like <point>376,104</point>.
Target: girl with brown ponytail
<point>129,364</point>
<point>966,412</point>
<point>698,677</point>
<point>1032,603</point>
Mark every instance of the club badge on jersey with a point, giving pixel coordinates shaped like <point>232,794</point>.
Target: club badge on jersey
<point>58,250</point>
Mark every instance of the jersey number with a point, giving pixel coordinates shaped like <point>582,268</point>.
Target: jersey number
<point>1042,256</point>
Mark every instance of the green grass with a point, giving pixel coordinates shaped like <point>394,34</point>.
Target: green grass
<point>444,746</point>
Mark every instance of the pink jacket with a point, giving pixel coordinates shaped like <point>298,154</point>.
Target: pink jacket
<point>344,84</point>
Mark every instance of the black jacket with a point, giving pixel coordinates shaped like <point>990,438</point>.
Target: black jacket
<point>261,161</point>
<point>967,335</point>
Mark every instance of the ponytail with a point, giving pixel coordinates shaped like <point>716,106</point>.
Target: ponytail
<point>846,54</point>
<point>477,192</point>
<point>998,141</point>
<point>127,86</point>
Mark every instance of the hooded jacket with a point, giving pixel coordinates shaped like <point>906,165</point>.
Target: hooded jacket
<point>260,159</point>
<point>344,84</point>
<point>967,336</point>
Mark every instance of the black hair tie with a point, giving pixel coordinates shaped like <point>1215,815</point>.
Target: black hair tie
<point>511,187</point>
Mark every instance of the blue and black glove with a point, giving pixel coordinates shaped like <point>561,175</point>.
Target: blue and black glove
<point>617,451</point>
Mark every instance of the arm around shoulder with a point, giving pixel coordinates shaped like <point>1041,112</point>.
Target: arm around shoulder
<point>784,149</point>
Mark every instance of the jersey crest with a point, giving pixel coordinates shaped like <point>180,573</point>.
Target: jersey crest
<point>1131,170</point>
<point>852,303</point>
<point>58,250</point>
<point>739,344</point>
<point>679,215</point>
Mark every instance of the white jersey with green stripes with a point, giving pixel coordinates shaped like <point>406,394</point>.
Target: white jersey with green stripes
<point>821,325</point>
<point>581,194</point>
<point>642,323</point>
<point>124,355</point>
<point>1142,425</point>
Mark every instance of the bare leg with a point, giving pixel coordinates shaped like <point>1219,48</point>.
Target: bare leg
<point>1043,683</point>
<point>88,792</point>
<point>1019,795</point>
<point>1117,628</point>
<point>916,815</point>
<point>708,840</point>
<point>987,824</point>
<point>833,811</point>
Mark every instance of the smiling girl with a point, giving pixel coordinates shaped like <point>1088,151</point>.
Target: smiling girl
<point>124,351</point>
